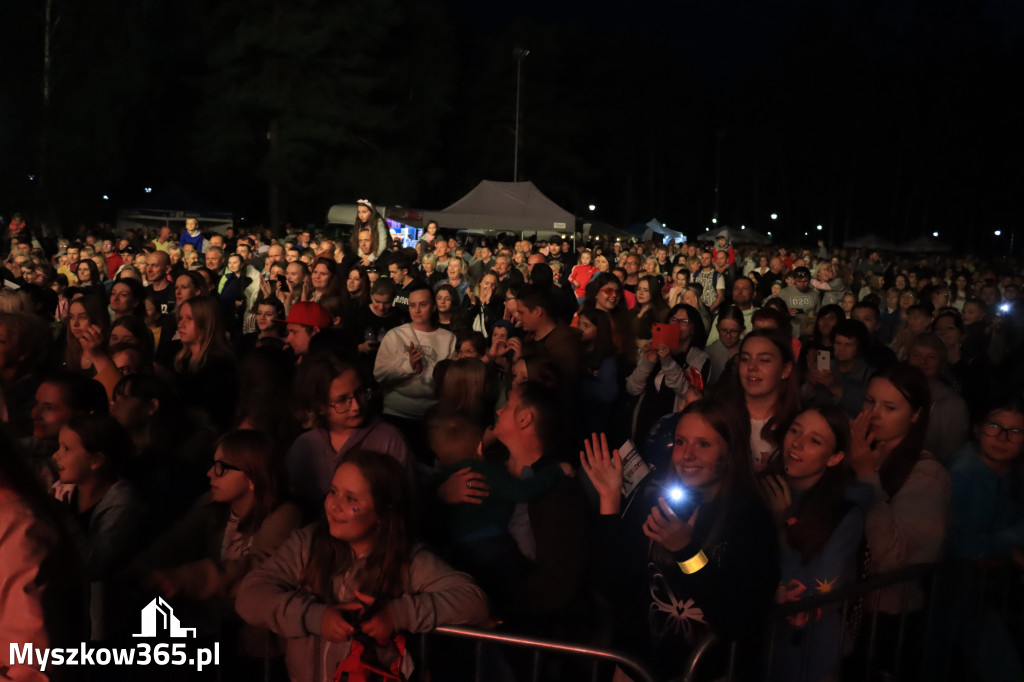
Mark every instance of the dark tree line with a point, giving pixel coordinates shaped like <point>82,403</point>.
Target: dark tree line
<point>895,117</point>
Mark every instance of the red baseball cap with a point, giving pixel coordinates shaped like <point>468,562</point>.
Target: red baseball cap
<point>310,314</point>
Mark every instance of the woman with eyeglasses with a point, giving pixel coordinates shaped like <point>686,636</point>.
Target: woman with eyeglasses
<point>238,523</point>
<point>666,380</point>
<point>731,325</point>
<point>987,525</point>
<point>988,496</point>
<point>336,399</point>
<point>605,293</point>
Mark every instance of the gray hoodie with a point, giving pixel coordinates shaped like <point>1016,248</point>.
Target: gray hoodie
<point>272,596</point>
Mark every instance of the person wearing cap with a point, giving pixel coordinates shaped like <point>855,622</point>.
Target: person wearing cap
<point>800,298</point>
<point>305,320</point>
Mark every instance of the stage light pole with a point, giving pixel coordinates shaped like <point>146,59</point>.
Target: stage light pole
<point>520,53</point>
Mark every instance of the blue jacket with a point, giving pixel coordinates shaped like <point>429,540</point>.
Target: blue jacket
<point>988,508</point>
<point>196,241</point>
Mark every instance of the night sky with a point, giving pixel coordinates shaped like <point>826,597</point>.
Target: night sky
<point>896,117</point>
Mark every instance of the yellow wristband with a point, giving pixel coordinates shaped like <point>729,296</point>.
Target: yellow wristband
<point>694,563</point>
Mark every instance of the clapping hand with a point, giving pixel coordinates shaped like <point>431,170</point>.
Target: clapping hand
<point>604,469</point>
<point>415,358</point>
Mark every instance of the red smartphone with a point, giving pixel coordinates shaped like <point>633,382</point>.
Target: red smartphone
<point>665,333</point>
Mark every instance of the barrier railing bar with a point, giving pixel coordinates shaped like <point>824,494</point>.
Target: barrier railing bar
<point>547,645</point>
<point>771,650</point>
<point>690,669</point>
<point>855,590</point>
<point>805,648</point>
<point>933,593</point>
<point>901,637</point>
<point>870,658</point>
<point>845,614</point>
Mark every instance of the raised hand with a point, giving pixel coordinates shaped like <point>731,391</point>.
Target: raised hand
<point>864,458</point>
<point>604,469</point>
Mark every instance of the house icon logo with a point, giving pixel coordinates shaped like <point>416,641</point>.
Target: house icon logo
<point>158,619</point>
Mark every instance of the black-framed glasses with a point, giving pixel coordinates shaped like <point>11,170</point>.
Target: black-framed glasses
<point>220,466</point>
<point>343,405</point>
<point>1013,434</point>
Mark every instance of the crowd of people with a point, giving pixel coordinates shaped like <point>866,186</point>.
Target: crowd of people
<point>314,445</point>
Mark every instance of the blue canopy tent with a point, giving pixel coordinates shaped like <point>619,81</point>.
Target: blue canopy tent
<point>646,231</point>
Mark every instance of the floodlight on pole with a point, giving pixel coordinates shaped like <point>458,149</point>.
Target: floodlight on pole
<point>820,228</point>
<point>998,233</point>
<point>935,234</point>
<point>775,216</point>
<point>520,53</point>
<point>592,207</point>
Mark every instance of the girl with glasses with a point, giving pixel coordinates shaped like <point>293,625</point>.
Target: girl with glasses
<point>988,497</point>
<point>731,325</point>
<point>336,400</point>
<point>988,525</point>
<point>241,521</point>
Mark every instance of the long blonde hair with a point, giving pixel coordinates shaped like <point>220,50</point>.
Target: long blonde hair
<point>206,314</point>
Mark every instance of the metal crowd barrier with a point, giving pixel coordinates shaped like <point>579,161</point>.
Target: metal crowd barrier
<point>954,589</point>
<point>539,647</point>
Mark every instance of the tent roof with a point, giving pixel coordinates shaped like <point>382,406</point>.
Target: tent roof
<point>870,241</point>
<point>734,235</point>
<point>603,229</point>
<point>925,245</point>
<point>644,230</point>
<point>512,206</point>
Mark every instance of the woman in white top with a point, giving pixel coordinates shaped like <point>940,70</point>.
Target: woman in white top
<point>770,390</point>
<point>405,365</point>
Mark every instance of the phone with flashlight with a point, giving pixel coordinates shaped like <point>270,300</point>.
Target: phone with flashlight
<point>680,499</point>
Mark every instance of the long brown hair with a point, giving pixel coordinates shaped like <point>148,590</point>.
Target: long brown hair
<point>823,506</point>
<point>207,316</point>
<point>787,403</point>
<point>731,423</point>
<point>913,386</point>
<point>96,310</point>
<point>254,453</point>
<point>392,547</point>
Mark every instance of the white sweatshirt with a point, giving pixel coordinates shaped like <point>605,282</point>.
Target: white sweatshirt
<point>407,394</point>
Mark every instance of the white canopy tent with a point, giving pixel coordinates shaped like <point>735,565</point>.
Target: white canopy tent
<point>505,206</point>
